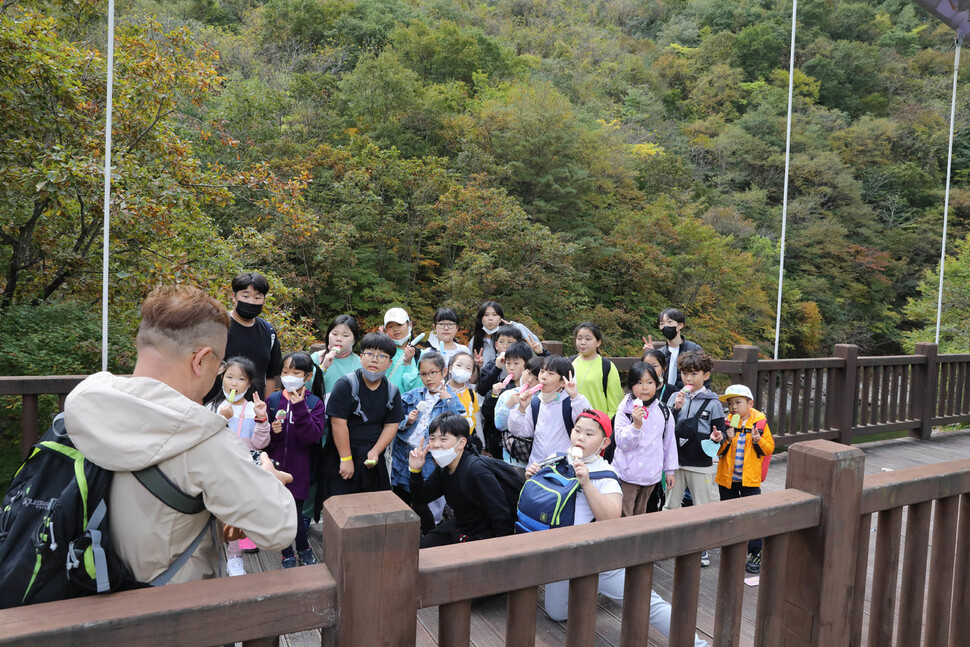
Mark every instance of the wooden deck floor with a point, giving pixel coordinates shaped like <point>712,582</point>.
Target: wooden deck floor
<point>488,617</point>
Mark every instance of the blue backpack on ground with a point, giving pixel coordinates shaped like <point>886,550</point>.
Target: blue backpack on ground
<point>548,499</point>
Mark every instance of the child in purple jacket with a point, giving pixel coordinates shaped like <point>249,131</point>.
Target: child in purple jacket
<point>645,443</point>
<point>298,424</point>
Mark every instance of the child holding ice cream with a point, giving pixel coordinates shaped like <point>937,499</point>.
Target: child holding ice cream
<point>698,413</point>
<point>249,422</point>
<point>596,377</point>
<point>745,443</point>
<point>421,406</point>
<point>646,446</point>
<point>546,412</point>
<point>297,425</point>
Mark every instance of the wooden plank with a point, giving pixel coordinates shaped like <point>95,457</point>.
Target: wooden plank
<point>800,364</point>
<point>884,381</point>
<point>965,409</point>
<point>730,595</point>
<point>913,485</point>
<point>454,623</point>
<point>951,390</point>
<point>861,571</point>
<point>940,593</point>
<point>210,612</point>
<point>635,629</point>
<point>794,411</point>
<point>808,403</point>
<point>29,424</point>
<point>891,360</point>
<point>771,587</point>
<point>818,378</point>
<point>784,410</point>
<point>520,627</point>
<point>771,410</point>
<point>885,427</point>
<point>478,569</point>
<point>865,402</point>
<point>39,384</point>
<point>883,606</point>
<point>683,612</point>
<point>581,623</point>
<point>960,622</point>
<point>914,573</point>
<point>941,390</point>
<point>894,395</point>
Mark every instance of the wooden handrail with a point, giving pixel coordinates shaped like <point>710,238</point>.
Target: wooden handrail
<point>914,485</point>
<point>211,612</point>
<point>466,571</point>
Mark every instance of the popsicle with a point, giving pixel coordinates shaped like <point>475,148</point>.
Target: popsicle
<point>280,414</point>
<point>638,403</point>
<point>535,389</point>
<point>232,396</point>
<point>370,462</point>
<point>736,421</point>
<point>507,379</point>
<point>422,406</point>
<point>414,342</point>
<point>688,388</point>
<point>576,452</point>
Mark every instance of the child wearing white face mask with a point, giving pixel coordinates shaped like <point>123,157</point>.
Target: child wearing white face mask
<point>421,406</point>
<point>461,367</point>
<point>297,422</point>
<point>466,482</point>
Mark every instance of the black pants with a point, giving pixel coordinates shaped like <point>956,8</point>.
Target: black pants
<point>445,534</point>
<point>302,542</point>
<point>736,491</point>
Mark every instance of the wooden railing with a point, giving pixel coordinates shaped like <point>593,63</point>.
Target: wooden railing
<point>811,592</point>
<point>843,397</point>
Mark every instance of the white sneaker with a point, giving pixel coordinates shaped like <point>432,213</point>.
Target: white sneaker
<point>235,566</point>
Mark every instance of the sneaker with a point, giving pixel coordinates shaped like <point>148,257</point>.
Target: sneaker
<point>289,562</point>
<point>234,566</point>
<point>306,557</point>
<point>705,559</point>
<point>246,545</point>
<point>754,563</point>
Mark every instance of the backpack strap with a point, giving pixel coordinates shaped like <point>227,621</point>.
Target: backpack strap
<point>355,393</point>
<point>166,576</point>
<point>607,367</point>
<point>605,474</point>
<point>268,327</point>
<point>167,492</point>
<point>567,413</point>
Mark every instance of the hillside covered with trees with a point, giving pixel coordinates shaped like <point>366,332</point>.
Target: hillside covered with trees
<point>573,159</point>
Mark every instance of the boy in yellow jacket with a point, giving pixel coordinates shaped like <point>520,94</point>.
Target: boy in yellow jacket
<point>744,444</point>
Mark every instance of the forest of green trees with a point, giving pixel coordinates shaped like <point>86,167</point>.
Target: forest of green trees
<point>573,159</point>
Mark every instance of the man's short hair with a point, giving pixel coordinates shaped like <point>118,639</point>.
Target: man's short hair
<point>177,319</point>
<point>378,341</point>
<point>253,280</point>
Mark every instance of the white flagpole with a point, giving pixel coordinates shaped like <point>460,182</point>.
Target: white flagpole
<point>946,198</point>
<point>784,200</point>
<point>107,188</point>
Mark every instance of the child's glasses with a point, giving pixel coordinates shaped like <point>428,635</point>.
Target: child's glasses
<point>376,356</point>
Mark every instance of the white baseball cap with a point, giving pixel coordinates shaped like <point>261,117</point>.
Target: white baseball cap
<point>737,391</point>
<point>397,315</point>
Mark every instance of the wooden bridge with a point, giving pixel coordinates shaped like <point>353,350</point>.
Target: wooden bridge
<point>838,567</point>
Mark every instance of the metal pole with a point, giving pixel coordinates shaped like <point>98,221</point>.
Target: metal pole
<point>784,200</point>
<point>946,198</point>
<point>107,188</point>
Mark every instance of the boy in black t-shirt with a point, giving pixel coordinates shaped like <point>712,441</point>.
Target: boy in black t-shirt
<point>363,426</point>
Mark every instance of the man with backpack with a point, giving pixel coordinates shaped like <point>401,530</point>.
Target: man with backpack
<point>480,490</point>
<point>156,418</point>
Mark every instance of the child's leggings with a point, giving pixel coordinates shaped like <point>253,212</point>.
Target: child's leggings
<point>736,491</point>
<point>302,543</point>
<point>611,585</point>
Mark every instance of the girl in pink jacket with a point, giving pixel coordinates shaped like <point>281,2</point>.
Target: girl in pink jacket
<point>646,447</point>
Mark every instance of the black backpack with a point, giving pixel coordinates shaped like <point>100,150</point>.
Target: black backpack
<point>510,480</point>
<point>54,532</point>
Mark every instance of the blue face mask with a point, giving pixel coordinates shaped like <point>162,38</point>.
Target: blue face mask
<point>373,376</point>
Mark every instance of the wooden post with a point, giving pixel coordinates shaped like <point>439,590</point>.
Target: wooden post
<point>29,424</point>
<point>370,544</point>
<point>554,347</point>
<point>748,356</point>
<point>844,393</point>
<point>926,379</point>
<point>820,582</point>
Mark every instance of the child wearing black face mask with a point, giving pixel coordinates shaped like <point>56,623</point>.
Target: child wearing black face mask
<point>671,322</point>
<point>646,446</point>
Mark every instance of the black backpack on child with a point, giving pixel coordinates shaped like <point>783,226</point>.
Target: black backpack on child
<point>510,480</point>
<point>55,542</point>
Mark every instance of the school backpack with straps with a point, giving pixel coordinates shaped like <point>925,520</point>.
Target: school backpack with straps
<point>548,499</point>
<point>607,366</point>
<point>55,540</point>
<point>355,393</point>
<point>611,450</point>
<point>689,450</point>
<point>567,413</point>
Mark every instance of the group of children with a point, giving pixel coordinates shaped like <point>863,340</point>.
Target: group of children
<point>428,419</point>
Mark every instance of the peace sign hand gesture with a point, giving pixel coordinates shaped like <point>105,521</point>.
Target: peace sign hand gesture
<point>647,343</point>
<point>571,390</point>
<point>417,456</point>
<point>259,407</point>
<point>479,358</point>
